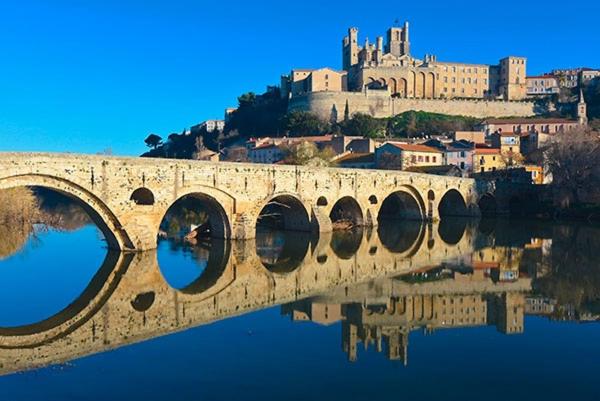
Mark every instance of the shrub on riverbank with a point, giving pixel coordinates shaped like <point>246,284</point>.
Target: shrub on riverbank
<point>18,212</point>
<point>18,206</point>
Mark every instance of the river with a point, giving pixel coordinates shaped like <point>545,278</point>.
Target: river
<point>461,309</point>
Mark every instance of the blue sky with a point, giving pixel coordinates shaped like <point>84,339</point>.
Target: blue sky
<point>83,76</point>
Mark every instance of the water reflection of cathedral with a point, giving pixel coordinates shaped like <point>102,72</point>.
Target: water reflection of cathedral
<point>385,322</point>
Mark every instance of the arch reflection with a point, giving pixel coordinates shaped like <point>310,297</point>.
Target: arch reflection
<point>95,294</point>
<point>282,251</point>
<point>452,229</point>
<point>399,237</point>
<point>195,268</point>
<point>345,243</point>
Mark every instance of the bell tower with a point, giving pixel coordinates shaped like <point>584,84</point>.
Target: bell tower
<point>398,42</point>
<point>582,110</point>
<point>350,49</point>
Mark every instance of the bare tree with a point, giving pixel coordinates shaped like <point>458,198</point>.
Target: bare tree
<point>308,154</point>
<point>573,159</point>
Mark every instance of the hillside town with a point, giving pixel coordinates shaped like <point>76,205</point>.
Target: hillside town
<point>512,116</point>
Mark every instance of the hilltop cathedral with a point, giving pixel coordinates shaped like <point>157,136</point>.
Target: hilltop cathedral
<point>391,66</point>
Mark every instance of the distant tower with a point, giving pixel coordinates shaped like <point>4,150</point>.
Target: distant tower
<point>350,49</point>
<point>582,109</point>
<point>398,43</point>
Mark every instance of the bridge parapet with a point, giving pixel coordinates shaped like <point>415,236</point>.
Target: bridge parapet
<point>129,197</point>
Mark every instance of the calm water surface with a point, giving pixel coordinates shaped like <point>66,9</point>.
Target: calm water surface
<point>495,310</point>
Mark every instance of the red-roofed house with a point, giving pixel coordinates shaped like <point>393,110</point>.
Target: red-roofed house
<point>400,156</point>
<point>487,159</point>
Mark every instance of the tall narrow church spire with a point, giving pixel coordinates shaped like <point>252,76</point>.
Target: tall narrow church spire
<point>582,109</point>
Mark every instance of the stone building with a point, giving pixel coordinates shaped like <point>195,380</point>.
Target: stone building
<point>470,136</point>
<point>528,125</point>
<point>356,160</point>
<point>573,77</point>
<point>401,156</point>
<point>313,80</point>
<point>391,65</point>
<point>210,125</point>
<point>507,142</point>
<point>542,85</point>
<point>383,79</point>
<point>487,159</point>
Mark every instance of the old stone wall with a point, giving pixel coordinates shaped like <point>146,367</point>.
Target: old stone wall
<point>378,103</point>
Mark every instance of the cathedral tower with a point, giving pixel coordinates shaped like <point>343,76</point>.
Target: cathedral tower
<point>350,49</point>
<point>398,42</point>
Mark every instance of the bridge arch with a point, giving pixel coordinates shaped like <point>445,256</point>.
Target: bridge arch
<point>403,204</point>
<point>106,221</point>
<point>215,204</point>
<point>452,204</point>
<point>284,211</point>
<point>347,209</point>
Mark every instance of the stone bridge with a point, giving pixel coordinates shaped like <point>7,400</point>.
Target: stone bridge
<point>129,301</point>
<point>128,197</point>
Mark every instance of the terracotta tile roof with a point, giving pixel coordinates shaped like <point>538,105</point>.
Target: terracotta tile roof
<point>505,133</point>
<point>529,121</point>
<point>487,151</point>
<point>265,146</point>
<point>357,158</point>
<point>545,76</point>
<point>414,147</point>
<point>318,138</point>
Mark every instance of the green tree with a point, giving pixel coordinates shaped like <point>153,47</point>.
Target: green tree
<point>153,141</point>
<point>364,125</point>
<point>413,123</point>
<point>258,115</point>
<point>302,123</point>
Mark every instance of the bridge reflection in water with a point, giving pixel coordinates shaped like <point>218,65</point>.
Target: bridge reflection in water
<point>381,283</point>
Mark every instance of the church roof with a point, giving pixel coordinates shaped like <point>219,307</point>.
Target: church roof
<point>528,121</point>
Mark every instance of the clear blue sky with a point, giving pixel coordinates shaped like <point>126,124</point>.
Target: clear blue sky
<point>84,76</point>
